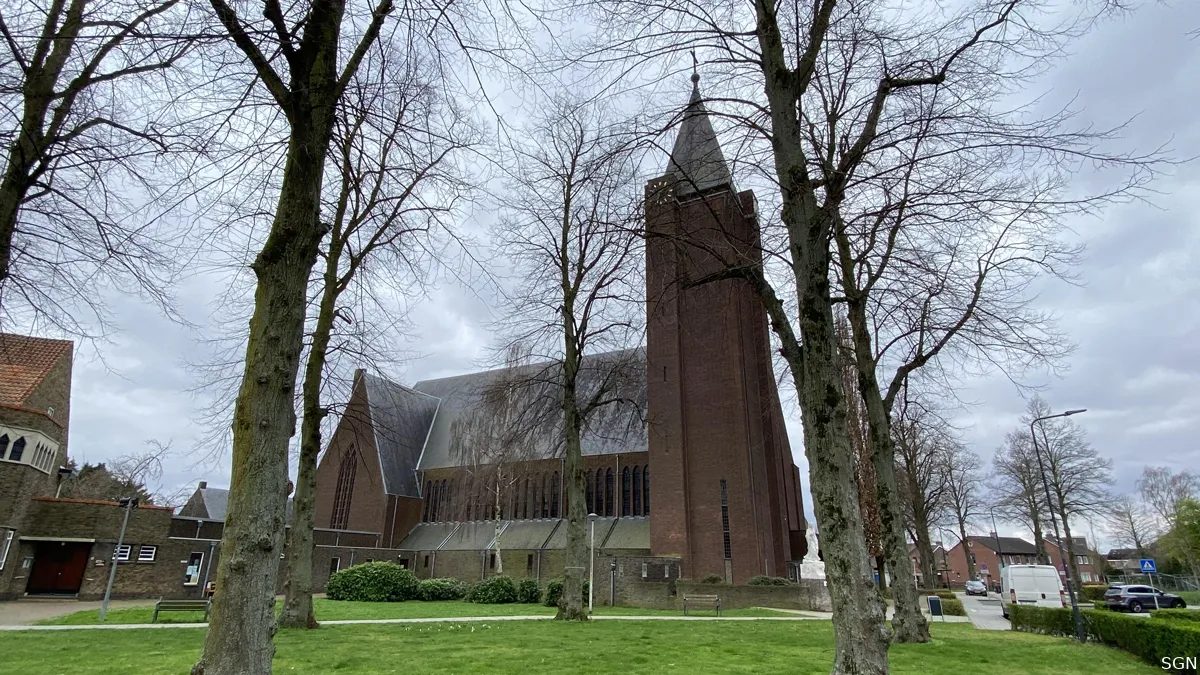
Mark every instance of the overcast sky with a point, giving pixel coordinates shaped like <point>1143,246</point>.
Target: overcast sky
<point>1136,370</point>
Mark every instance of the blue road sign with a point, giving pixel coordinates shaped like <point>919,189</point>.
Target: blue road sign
<point>1147,565</point>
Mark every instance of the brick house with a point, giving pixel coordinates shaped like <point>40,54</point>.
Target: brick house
<point>699,410</point>
<point>991,553</point>
<point>35,414</point>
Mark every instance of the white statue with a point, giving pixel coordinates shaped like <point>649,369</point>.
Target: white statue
<point>810,535</point>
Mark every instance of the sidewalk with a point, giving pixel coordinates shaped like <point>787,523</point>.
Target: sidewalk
<point>460,619</point>
<point>31,610</point>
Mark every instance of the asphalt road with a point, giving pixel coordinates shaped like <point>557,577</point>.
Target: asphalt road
<point>984,613</point>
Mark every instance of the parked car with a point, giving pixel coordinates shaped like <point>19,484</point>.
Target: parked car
<point>1140,598</point>
<point>976,587</point>
<point>1037,585</point>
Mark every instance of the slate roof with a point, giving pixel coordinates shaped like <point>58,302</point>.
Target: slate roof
<point>517,535</point>
<point>400,418</point>
<point>696,158</point>
<point>24,363</point>
<point>614,428</point>
<point>1006,545</point>
<point>215,504</point>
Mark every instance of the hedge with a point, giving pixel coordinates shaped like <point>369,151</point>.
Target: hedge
<point>442,589</point>
<point>554,591</point>
<point>1177,615</point>
<point>713,579</point>
<point>1152,639</point>
<point>372,582</point>
<point>528,592</point>
<point>943,593</point>
<point>763,580</point>
<point>953,607</point>
<point>1094,591</point>
<point>497,590</point>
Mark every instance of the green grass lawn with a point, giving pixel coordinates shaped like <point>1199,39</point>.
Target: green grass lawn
<point>530,648</point>
<point>329,610</point>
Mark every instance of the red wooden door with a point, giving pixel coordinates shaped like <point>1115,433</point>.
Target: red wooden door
<point>58,567</point>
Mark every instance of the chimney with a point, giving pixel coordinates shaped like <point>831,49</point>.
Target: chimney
<point>203,484</point>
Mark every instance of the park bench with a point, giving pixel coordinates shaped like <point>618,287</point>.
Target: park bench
<point>696,601</point>
<point>180,606</point>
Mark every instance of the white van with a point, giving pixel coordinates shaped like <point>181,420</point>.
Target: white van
<point>1031,585</point>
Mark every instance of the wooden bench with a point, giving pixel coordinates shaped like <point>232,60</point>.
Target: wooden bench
<point>180,606</point>
<point>694,601</point>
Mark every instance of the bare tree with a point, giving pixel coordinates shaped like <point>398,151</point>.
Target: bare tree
<point>921,479</point>
<point>1129,523</point>
<point>1166,493</point>
<point>859,431</point>
<point>135,474</point>
<point>395,145</point>
<point>306,83</point>
<point>784,69</point>
<point>963,488</point>
<point>1079,478</point>
<point>1017,488</point>
<point>570,226</point>
<point>86,114</point>
<point>495,440</point>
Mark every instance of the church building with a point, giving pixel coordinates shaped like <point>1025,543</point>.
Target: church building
<point>692,465</point>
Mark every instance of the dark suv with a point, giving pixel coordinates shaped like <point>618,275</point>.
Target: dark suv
<point>1140,598</point>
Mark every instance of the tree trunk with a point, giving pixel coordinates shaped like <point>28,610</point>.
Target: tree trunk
<point>242,623</point>
<point>962,536</point>
<point>861,636</point>
<point>1039,540</point>
<point>297,584</point>
<point>1067,548</point>
<point>924,548</point>
<point>908,623</point>
<point>499,527</point>
<point>570,605</point>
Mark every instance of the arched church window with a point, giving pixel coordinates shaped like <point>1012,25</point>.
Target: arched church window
<point>626,488</point>
<point>637,491</point>
<point>609,506</point>
<point>590,496</point>
<point>428,500</point>
<point>556,494</point>
<point>646,492</point>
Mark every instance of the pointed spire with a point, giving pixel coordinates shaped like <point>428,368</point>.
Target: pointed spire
<point>696,159</point>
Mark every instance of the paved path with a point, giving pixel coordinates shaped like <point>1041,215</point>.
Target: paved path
<point>984,613</point>
<point>460,619</point>
<point>19,612</point>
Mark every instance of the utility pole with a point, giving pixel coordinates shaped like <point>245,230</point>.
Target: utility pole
<point>129,504</point>
<point>1079,632</point>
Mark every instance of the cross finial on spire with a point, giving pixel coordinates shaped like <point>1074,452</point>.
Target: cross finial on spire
<point>695,69</point>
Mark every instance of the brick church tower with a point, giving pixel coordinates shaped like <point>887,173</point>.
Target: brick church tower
<point>726,492</point>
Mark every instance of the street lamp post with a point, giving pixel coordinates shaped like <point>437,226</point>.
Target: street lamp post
<point>592,561</point>
<point>1079,632</point>
<point>129,504</point>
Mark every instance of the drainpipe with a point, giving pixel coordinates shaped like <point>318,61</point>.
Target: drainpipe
<point>212,546</point>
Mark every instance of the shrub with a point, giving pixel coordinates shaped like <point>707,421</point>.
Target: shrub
<point>1042,620</point>
<point>529,592</point>
<point>372,582</point>
<point>1151,639</point>
<point>1094,591</point>
<point>1177,615</point>
<point>713,579</point>
<point>943,593</point>
<point>498,590</point>
<point>554,591</point>
<point>763,580</point>
<point>953,607</point>
<point>442,589</point>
